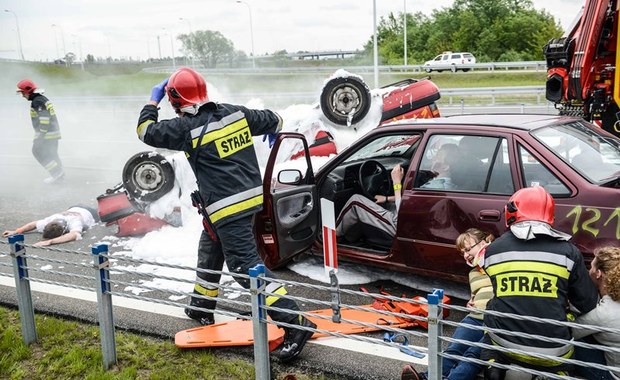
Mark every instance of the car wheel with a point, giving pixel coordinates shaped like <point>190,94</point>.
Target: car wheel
<point>428,69</point>
<point>147,176</point>
<point>345,100</point>
<point>453,68</point>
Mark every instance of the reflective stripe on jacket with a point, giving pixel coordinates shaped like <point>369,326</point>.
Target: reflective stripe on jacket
<point>536,278</point>
<point>220,149</point>
<point>44,120</point>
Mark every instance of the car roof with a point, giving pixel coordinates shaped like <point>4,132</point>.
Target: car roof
<point>524,122</point>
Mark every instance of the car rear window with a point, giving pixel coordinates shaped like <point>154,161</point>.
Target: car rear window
<point>594,156</point>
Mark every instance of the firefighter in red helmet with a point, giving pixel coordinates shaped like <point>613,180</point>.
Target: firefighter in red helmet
<point>217,140</point>
<point>46,129</point>
<point>535,272</point>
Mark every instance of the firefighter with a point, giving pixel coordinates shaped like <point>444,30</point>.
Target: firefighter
<point>46,130</point>
<point>217,141</point>
<point>535,272</point>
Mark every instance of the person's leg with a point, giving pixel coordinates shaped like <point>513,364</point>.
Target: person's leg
<point>591,356</point>
<point>460,369</point>
<point>360,209</point>
<point>492,356</point>
<point>46,153</point>
<point>239,248</point>
<point>209,257</point>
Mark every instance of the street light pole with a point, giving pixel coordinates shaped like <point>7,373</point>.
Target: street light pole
<point>62,37</point>
<point>19,37</point>
<point>189,24</point>
<point>405,30</point>
<point>374,41</point>
<point>174,64</point>
<point>75,36</point>
<point>251,31</point>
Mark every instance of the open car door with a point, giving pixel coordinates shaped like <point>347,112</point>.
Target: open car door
<point>289,221</point>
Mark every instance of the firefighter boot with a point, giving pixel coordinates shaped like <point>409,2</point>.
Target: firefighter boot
<point>203,317</point>
<point>295,339</point>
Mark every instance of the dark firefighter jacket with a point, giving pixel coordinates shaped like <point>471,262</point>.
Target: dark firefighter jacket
<point>538,278</point>
<point>219,147</point>
<point>43,117</point>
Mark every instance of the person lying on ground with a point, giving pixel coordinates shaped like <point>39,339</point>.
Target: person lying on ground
<point>61,227</point>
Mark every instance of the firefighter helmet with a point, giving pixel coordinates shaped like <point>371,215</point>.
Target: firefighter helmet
<point>530,203</point>
<point>26,86</point>
<point>187,91</point>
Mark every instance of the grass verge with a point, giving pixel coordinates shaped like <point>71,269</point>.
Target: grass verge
<point>72,350</point>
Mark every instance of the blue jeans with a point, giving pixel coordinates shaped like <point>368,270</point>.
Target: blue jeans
<point>591,356</point>
<point>453,369</point>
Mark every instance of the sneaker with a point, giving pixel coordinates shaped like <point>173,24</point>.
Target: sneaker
<point>203,317</point>
<point>409,373</point>
<point>53,179</point>
<point>295,340</point>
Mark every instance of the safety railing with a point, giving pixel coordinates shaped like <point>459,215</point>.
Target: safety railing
<point>106,271</point>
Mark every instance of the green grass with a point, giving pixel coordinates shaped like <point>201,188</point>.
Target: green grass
<point>128,79</point>
<point>72,350</point>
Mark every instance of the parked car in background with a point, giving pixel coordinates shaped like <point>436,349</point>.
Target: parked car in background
<point>450,61</point>
<point>577,162</point>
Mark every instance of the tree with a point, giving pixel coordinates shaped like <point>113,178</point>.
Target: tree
<point>208,47</point>
<point>492,30</point>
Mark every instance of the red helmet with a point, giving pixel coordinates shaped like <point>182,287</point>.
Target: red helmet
<point>186,90</point>
<point>530,203</point>
<point>26,86</point>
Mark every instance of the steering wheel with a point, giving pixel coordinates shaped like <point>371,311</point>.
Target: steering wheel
<point>374,179</point>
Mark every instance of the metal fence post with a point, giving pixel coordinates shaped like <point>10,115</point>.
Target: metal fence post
<point>104,305</point>
<point>22,288</point>
<point>435,314</point>
<point>261,340</point>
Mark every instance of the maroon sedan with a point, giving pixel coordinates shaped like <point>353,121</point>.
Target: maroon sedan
<point>578,163</point>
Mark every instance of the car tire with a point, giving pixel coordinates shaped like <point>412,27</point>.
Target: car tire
<point>453,68</point>
<point>147,176</point>
<point>343,95</point>
<point>428,70</point>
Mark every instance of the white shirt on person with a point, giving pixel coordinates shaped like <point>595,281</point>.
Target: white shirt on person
<point>78,219</point>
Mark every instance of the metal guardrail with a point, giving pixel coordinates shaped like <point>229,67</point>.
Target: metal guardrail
<point>488,66</point>
<point>104,283</point>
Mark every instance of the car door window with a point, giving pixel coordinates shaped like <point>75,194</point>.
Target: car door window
<point>283,162</point>
<point>500,180</point>
<point>536,174</point>
<point>465,163</point>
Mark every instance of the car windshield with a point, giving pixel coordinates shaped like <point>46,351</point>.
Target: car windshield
<point>393,145</point>
<point>594,156</point>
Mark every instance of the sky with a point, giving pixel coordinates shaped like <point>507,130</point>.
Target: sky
<point>141,29</point>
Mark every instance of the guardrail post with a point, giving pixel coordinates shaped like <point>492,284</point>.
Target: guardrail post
<point>435,330</point>
<point>22,288</point>
<point>335,292</point>
<point>462,106</point>
<point>259,315</point>
<point>104,305</point>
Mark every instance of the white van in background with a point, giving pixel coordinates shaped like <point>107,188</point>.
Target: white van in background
<point>450,61</point>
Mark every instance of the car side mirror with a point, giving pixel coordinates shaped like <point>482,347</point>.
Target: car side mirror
<point>289,176</point>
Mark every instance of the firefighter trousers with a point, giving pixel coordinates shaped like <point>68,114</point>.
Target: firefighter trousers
<point>46,153</point>
<point>237,246</point>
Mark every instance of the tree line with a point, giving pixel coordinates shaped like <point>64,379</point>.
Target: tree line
<point>492,30</point>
